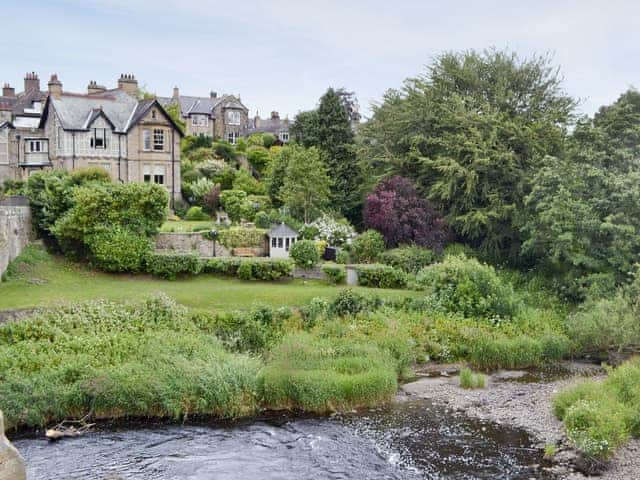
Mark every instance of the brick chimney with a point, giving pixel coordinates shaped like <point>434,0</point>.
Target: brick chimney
<point>176,92</point>
<point>275,116</point>
<point>128,84</point>
<point>55,86</point>
<point>213,94</point>
<point>93,87</point>
<point>8,91</point>
<point>31,82</point>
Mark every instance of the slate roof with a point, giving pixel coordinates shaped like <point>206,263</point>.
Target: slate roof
<point>121,110</point>
<point>268,125</point>
<point>25,100</point>
<point>282,230</point>
<point>202,105</point>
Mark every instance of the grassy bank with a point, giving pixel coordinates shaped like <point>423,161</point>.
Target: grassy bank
<point>40,279</point>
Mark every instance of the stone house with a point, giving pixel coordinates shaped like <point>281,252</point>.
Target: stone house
<point>274,125</point>
<point>221,117</point>
<point>134,140</point>
<point>22,142</point>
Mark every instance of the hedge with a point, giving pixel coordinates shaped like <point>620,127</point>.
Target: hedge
<point>381,276</point>
<point>336,274</point>
<point>242,237</point>
<point>250,268</point>
<point>170,265</point>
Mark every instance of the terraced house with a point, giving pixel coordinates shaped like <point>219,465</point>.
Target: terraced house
<point>135,140</point>
<point>223,117</point>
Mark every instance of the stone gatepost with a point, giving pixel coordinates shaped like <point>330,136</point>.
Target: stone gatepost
<point>11,463</point>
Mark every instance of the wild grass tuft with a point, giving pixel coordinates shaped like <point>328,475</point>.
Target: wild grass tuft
<point>469,380</point>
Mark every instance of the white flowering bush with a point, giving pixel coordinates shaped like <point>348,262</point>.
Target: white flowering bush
<point>335,232</point>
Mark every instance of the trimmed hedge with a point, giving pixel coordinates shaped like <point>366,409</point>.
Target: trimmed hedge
<point>336,274</point>
<point>411,259</point>
<point>242,237</point>
<point>170,265</point>
<point>381,276</point>
<point>250,268</point>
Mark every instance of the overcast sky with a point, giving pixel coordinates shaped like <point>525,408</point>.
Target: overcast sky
<point>283,54</point>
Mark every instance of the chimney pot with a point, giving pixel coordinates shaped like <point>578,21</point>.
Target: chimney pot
<point>8,91</point>
<point>55,86</point>
<point>176,92</point>
<point>31,82</point>
<point>128,84</point>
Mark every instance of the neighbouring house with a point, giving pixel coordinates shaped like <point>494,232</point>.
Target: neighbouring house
<point>22,143</point>
<point>220,117</point>
<point>280,240</point>
<point>274,125</point>
<point>134,139</point>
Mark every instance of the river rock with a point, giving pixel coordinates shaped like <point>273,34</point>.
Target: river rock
<point>11,463</point>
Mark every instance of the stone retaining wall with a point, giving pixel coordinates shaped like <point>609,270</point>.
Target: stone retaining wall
<point>16,232</point>
<point>194,242</point>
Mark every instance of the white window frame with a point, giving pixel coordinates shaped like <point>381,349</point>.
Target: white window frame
<point>37,145</point>
<point>233,117</point>
<point>159,174</point>
<point>4,147</point>
<point>232,137</point>
<point>98,134</point>
<point>284,137</point>
<point>146,140</point>
<point>158,140</point>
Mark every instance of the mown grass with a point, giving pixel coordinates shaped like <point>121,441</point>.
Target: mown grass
<point>46,279</point>
<point>601,416</point>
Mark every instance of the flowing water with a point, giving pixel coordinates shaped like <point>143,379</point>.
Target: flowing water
<point>411,440</point>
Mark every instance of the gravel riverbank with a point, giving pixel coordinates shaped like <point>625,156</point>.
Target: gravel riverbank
<point>522,400</point>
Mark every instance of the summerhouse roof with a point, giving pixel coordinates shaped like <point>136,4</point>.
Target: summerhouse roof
<point>282,230</point>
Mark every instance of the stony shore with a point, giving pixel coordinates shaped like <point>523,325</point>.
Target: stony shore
<point>522,400</point>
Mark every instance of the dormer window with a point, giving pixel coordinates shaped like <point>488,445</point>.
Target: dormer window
<point>98,138</point>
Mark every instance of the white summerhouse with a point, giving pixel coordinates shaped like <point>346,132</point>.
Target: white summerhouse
<point>281,239</point>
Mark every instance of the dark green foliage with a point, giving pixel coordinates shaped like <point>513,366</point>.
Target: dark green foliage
<point>258,158</point>
<point>523,351</point>
<point>225,150</point>
<point>170,265</point>
<point>336,274</point>
<point>381,276</point>
<point>250,268</point>
<point>196,214</point>
<point>268,140</point>
<point>471,132</point>
<point>242,237</point>
<point>80,176</point>
<point>464,285</point>
<point>367,247</point>
<point>329,129</point>
<point>409,259</point>
<point>305,254</point>
<point>348,303</point>
<point>118,249</point>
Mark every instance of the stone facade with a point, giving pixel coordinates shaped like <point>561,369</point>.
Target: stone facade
<point>11,462</point>
<point>15,233</point>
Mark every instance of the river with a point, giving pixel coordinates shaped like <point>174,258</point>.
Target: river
<point>408,440</point>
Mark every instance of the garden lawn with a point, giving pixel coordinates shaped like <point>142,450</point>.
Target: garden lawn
<point>183,226</point>
<point>50,279</point>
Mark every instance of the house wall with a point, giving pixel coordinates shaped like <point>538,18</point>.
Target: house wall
<point>206,130</point>
<point>15,232</point>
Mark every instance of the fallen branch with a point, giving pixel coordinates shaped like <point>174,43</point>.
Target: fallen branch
<point>69,429</point>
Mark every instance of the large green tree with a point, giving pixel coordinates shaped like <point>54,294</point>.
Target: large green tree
<point>329,129</point>
<point>471,132</point>
<point>306,187</point>
<point>583,212</point>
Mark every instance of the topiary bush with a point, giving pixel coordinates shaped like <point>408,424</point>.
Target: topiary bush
<point>367,247</point>
<point>170,266</point>
<point>118,249</point>
<point>466,286</point>
<point>410,259</point>
<point>195,214</point>
<point>381,276</point>
<point>336,274</point>
<point>305,254</point>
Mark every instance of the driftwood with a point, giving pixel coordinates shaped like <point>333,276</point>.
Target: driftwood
<point>69,429</point>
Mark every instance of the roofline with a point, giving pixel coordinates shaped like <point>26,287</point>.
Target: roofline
<point>164,112</point>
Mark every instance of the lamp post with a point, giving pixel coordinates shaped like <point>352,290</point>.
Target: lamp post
<point>213,234</point>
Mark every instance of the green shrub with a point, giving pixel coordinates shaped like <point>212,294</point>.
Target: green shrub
<point>118,249</point>
<point>262,220</point>
<point>235,237</point>
<point>324,375</point>
<point>170,266</point>
<point>381,276</point>
<point>342,257</point>
<point>80,176</point>
<point>468,379</point>
<point>466,286</point>
<point>195,214</point>
<point>336,274</point>
<point>313,310</point>
<point>348,303</point>
<point>409,259</point>
<point>250,268</point>
<point>305,254</point>
<point>368,246</point>
<point>148,359</point>
<point>245,272</point>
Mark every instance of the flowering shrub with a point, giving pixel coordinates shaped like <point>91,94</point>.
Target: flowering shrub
<point>305,254</point>
<point>335,232</point>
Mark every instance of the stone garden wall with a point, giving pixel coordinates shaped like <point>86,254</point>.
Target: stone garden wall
<point>11,463</point>
<point>16,230</point>
<point>189,243</point>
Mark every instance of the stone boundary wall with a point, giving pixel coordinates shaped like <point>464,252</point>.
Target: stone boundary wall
<point>11,462</point>
<point>314,273</point>
<point>192,242</point>
<point>16,231</point>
